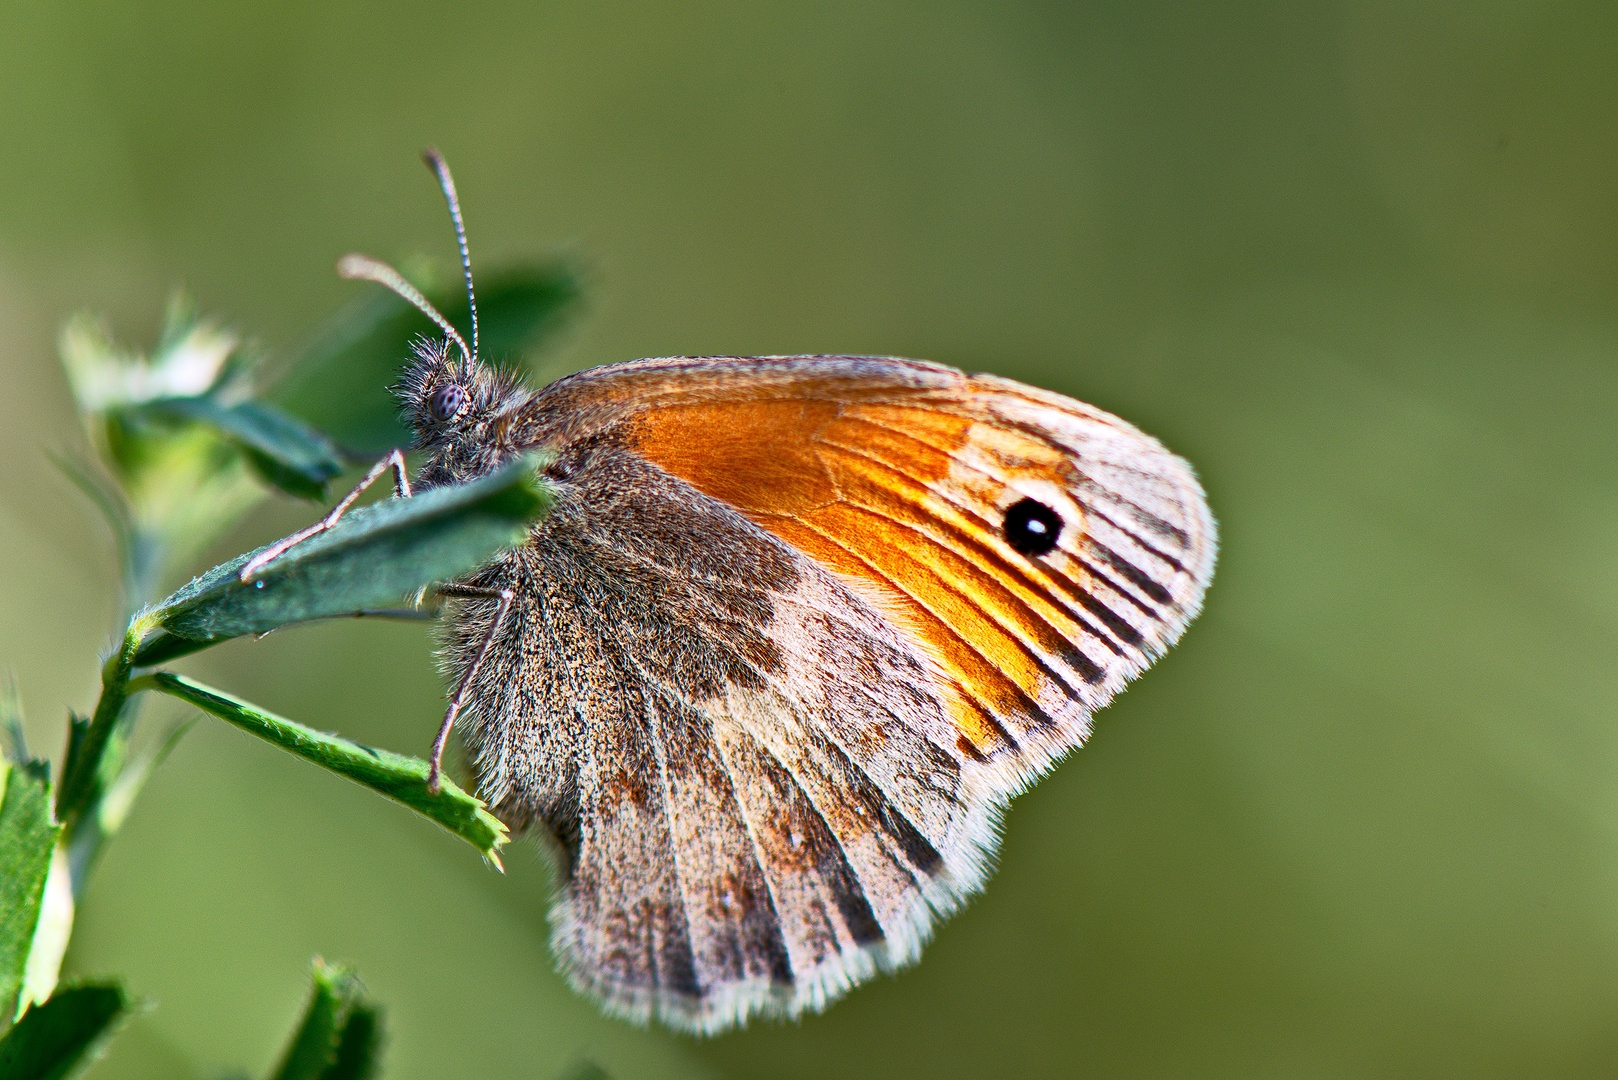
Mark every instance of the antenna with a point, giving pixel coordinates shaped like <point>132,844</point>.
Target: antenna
<point>435,162</point>
<point>365,268</point>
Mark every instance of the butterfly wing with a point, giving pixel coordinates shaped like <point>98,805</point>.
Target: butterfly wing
<point>898,475</point>
<point>783,660</point>
<point>743,765</point>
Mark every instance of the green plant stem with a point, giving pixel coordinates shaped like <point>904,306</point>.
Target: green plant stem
<point>82,769</point>
<point>94,755</point>
<point>402,779</point>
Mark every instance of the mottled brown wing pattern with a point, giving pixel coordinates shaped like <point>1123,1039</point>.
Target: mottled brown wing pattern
<point>898,475</point>
<point>733,753</point>
<point>782,667</point>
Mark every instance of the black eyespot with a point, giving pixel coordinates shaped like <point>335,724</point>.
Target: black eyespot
<point>447,402</point>
<point>1032,527</point>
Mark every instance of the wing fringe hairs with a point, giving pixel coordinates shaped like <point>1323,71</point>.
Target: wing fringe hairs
<point>795,568</point>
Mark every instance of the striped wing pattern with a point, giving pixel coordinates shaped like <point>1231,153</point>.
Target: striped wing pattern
<point>765,849</point>
<point>898,476</point>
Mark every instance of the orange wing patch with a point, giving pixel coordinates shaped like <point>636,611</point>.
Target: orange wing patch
<point>756,455</point>
<point>898,475</point>
<point>876,491</point>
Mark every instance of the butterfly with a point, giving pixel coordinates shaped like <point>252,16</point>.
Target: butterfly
<point>794,631</point>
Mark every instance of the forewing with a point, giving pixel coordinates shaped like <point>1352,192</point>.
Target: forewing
<point>898,476</point>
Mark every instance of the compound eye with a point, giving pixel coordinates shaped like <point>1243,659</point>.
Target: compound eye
<point>447,402</point>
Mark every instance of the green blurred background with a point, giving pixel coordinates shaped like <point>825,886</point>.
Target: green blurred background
<point>1358,261</point>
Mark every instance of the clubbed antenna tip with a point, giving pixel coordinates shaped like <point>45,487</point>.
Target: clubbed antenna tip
<point>364,268</point>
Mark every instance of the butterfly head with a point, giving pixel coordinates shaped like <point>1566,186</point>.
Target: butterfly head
<point>441,393</point>
<point>459,409</point>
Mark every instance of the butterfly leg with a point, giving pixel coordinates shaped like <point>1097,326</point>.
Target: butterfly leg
<point>435,773</point>
<point>401,489</point>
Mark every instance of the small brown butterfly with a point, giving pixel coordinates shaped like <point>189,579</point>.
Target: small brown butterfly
<point>794,632</point>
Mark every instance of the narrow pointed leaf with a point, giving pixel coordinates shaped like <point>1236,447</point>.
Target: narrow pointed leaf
<point>286,452</point>
<point>73,767</point>
<point>27,838</point>
<point>359,1047</point>
<point>341,382</point>
<point>339,1034</point>
<point>372,558</point>
<point>517,307</point>
<point>402,779</point>
<point>61,1038</point>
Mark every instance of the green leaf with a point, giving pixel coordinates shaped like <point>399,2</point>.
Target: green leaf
<point>516,307</point>
<point>341,382</point>
<point>78,734</point>
<point>182,485</point>
<point>95,750</point>
<point>287,453</point>
<point>51,933</point>
<point>359,1048</point>
<point>402,779</point>
<point>372,557</point>
<point>61,1038</point>
<point>27,838</point>
<point>340,1035</point>
<point>109,800</point>
<point>193,356</point>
